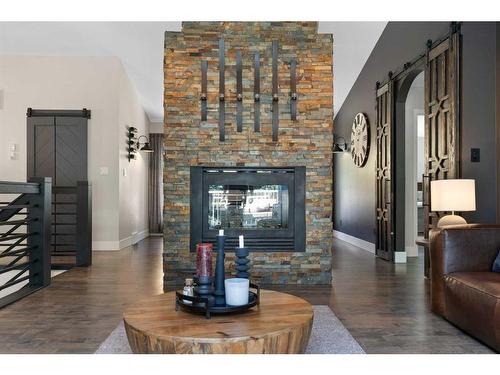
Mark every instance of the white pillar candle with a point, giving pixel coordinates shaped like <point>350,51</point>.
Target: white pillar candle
<point>237,291</point>
<point>242,241</point>
<point>221,232</point>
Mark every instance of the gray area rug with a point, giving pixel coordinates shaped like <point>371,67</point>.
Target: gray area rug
<point>328,336</point>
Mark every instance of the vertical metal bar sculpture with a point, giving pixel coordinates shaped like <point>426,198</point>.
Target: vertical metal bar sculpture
<point>256,92</point>
<point>239,93</point>
<point>275,109</point>
<point>203,96</point>
<point>293,90</point>
<point>222,132</point>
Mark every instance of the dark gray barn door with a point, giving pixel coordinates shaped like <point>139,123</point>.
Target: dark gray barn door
<point>57,148</point>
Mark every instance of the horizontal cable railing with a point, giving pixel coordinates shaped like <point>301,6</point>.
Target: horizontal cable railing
<point>24,238</point>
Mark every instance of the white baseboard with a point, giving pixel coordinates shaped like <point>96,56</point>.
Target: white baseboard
<point>105,245</point>
<point>365,245</point>
<point>134,238</point>
<point>123,243</point>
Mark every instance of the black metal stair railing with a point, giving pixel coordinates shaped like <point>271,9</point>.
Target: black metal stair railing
<point>71,232</point>
<point>24,238</point>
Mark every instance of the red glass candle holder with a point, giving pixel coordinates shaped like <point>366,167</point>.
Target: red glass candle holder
<point>204,259</point>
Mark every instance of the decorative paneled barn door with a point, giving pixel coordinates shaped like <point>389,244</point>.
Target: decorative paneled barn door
<point>441,138</point>
<point>441,145</point>
<point>57,148</point>
<point>384,180</point>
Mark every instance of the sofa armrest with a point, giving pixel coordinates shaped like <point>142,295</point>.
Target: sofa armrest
<point>460,248</point>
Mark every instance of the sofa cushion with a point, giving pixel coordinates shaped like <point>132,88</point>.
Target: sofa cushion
<point>473,304</point>
<point>486,282</point>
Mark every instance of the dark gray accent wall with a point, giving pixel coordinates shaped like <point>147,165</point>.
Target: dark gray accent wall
<point>354,188</point>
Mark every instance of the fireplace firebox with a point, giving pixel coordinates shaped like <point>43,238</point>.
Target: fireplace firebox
<point>266,205</point>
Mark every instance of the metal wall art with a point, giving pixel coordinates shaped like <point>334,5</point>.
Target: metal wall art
<point>293,90</point>
<point>203,96</point>
<point>239,93</point>
<point>256,92</point>
<point>222,89</point>
<point>275,109</point>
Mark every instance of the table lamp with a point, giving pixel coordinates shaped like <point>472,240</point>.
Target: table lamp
<point>453,195</point>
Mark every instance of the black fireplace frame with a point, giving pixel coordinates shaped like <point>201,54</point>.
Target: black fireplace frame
<point>292,238</point>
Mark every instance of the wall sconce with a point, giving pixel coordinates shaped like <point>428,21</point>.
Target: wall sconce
<point>131,140</point>
<point>339,145</point>
<point>146,147</point>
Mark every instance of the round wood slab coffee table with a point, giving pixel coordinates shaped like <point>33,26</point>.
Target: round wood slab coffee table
<point>280,324</point>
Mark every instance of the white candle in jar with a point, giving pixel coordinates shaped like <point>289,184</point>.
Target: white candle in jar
<point>221,232</point>
<point>242,241</point>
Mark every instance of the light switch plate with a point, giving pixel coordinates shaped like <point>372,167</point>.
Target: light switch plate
<point>475,155</point>
<point>103,171</point>
<point>124,172</point>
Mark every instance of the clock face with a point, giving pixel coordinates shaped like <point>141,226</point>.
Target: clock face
<point>360,141</point>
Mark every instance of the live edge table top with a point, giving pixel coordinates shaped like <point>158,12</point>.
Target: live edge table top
<point>280,324</point>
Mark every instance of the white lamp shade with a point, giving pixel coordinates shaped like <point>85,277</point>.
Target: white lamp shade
<point>453,195</point>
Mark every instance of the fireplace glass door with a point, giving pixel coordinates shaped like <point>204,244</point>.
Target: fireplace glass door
<point>247,206</point>
<point>266,205</point>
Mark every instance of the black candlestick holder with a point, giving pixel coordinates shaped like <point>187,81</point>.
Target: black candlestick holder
<point>220,273</point>
<point>204,288</point>
<point>242,261</point>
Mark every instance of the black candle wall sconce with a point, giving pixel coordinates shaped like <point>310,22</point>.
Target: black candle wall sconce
<point>131,142</point>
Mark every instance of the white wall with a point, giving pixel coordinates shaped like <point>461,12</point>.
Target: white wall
<point>55,82</point>
<point>134,174</point>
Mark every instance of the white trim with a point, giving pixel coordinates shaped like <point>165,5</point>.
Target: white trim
<point>400,257</point>
<point>134,238</point>
<point>105,245</point>
<point>123,243</point>
<point>365,245</point>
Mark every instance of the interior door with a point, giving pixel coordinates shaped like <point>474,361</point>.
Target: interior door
<point>57,148</point>
<point>384,172</point>
<point>441,146</point>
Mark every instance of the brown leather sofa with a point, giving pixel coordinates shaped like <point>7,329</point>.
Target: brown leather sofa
<point>463,289</point>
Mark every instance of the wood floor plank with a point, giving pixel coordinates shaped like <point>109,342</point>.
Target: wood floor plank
<point>384,306</point>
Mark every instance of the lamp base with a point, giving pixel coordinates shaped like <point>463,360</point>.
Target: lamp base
<point>450,220</point>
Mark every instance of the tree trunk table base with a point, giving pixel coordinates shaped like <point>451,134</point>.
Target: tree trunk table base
<point>280,324</point>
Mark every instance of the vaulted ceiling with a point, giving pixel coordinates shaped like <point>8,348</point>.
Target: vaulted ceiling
<point>139,45</point>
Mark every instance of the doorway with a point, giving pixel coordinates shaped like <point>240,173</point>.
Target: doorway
<point>414,165</point>
<point>57,148</point>
<point>440,65</point>
<point>409,161</point>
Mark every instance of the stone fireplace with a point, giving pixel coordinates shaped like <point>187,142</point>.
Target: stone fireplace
<point>278,194</point>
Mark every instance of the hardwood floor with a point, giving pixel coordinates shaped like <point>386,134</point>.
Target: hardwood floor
<point>384,306</point>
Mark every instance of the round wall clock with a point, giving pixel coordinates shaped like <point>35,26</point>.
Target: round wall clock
<point>360,140</point>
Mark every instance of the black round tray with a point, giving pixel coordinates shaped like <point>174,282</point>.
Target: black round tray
<point>205,304</point>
